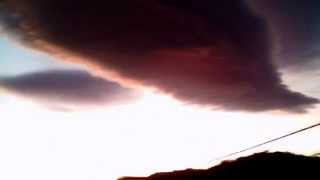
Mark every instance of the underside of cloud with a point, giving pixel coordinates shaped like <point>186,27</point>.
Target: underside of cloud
<point>207,52</point>
<point>68,90</point>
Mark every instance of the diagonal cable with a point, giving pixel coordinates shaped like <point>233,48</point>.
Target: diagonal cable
<point>266,142</point>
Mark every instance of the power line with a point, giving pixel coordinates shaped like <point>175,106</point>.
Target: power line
<point>266,142</point>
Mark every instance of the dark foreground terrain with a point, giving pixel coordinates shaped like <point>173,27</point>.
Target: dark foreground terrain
<point>258,166</point>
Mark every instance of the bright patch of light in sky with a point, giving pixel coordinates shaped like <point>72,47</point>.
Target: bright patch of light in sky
<point>154,134</point>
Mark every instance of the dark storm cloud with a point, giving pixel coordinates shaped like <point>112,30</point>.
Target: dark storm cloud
<point>207,52</point>
<point>266,165</point>
<point>67,89</point>
<point>296,26</point>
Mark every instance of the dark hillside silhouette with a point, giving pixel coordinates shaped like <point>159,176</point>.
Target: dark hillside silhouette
<point>258,166</point>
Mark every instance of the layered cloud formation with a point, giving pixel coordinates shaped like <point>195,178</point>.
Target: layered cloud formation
<point>207,52</point>
<point>68,90</point>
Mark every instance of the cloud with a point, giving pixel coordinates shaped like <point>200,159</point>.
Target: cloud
<point>67,89</point>
<point>207,52</point>
<point>267,165</point>
<point>296,27</point>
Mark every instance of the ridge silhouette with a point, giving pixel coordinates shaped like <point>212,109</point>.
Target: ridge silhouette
<point>262,165</point>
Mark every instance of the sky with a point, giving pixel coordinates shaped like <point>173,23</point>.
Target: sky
<point>17,60</point>
<point>137,95</point>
